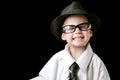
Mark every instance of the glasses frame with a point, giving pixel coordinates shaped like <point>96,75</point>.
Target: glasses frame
<point>80,26</point>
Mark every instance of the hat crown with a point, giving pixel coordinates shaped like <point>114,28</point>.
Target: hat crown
<point>73,8</point>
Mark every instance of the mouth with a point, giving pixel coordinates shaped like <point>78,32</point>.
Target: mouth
<point>78,38</point>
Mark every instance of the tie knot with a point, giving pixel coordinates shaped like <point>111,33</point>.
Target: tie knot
<point>74,67</point>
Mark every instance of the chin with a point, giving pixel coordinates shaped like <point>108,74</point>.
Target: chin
<point>80,45</point>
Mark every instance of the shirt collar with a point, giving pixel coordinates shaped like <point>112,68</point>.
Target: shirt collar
<point>85,58</point>
<point>82,61</point>
<point>67,59</point>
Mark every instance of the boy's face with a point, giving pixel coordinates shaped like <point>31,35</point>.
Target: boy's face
<point>75,36</point>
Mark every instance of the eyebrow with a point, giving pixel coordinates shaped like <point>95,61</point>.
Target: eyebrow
<point>76,25</point>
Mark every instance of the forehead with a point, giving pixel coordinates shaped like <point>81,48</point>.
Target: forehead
<point>75,20</point>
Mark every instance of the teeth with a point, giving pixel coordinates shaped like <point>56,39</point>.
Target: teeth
<point>78,38</point>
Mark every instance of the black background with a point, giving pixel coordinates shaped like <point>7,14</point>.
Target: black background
<point>30,44</point>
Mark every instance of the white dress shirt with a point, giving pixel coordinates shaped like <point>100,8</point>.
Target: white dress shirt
<point>57,68</point>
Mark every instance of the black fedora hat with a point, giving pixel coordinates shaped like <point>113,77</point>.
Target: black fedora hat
<point>75,8</point>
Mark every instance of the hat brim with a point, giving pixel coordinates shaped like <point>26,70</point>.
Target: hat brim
<point>57,23</point>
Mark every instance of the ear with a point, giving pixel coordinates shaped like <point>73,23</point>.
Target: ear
<point>91,33</point>
<point>63,36</point>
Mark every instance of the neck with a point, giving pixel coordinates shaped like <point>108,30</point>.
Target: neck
<point>76,52</point>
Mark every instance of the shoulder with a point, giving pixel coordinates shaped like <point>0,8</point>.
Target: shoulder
<point>51,65</point>
<point>97,62</point>
<point>99,68</point>
<point>58,56</point>
<point>96,58</point>
<point>54,60</point>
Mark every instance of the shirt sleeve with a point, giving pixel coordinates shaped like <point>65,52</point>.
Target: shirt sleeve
<point>100,71</point>
<point>104,75</point>
<point>48,72</point>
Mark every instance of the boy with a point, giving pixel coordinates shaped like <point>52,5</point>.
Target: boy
<point>75,27</point>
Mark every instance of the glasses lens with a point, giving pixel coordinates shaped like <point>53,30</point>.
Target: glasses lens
<point>72,28</point>
<point>68,28</point>
<point>83,26</point>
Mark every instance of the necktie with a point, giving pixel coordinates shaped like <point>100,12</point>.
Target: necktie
<point>73,71</point>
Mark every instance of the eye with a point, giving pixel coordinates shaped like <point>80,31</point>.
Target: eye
<point>84,26</point>
<point>71,27</point>
<point>68,27</point>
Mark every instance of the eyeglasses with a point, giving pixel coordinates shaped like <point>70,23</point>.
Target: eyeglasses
<point>71,28</point>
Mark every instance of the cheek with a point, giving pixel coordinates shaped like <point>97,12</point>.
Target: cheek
<point>88,36</point>
<point>68,37</point>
